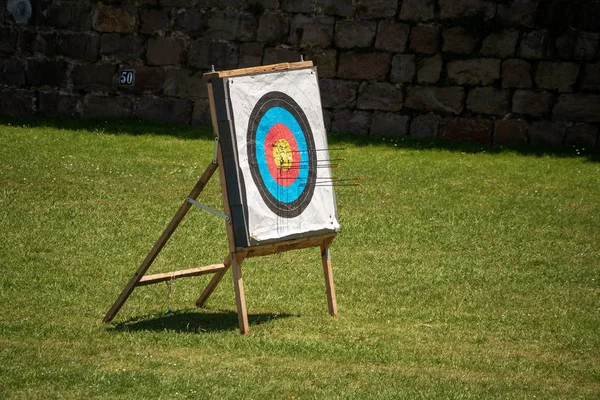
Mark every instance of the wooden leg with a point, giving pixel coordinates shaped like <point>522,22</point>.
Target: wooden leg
<point>328,272</point>
<point>160,243</point>
<point>216,279</point>
<point>240,298</point>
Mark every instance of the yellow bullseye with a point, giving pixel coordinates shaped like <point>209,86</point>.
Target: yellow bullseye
<point>282,154</point>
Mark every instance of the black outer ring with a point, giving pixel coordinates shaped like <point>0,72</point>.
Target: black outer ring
<point>264,104</point>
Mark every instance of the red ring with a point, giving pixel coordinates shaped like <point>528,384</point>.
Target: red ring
<point>277,132</point>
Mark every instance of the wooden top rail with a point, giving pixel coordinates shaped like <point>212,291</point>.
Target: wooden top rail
<point>258,70</point>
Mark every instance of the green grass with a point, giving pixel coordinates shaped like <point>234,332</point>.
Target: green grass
<point>460,272</point>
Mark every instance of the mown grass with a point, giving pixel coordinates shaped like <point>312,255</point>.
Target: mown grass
<point>460,273</point>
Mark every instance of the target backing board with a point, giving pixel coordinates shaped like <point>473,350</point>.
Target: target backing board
<point>275,156</point>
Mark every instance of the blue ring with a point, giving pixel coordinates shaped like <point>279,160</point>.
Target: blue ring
<point>284,194</point>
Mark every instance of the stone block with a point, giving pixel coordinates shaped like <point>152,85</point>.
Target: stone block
<point>424,39</point>
<point>480,71</point>
<point>182,3</point>
<point>535,104</point>
<point>560,76</point>
<point>582,135</point>
<point>430,69</point>
<point>122,47</point>
<point>454,9</point>
<point>164,51</point>
<point>516,74</point>
<point>78,45</point>
<point>458,40</point>
<point>53,104</point>
<point>337,93</point>
<point>8,40</point>
<point>275,55</point>
<point>588,16</point>
<point>107,106</point>
<point>204,53</point>
<point>500,44</point>
<point>181,82</point>
<point>16,103</point>
<point>118,19</point>
<point>577,107</point>
<point>74,16</point>
<point>317,35</point>
<point>518,13</point>
<point>392,36</point>
<point>221,4</point>
<point>448,99</point>
<point>590,79</point>
<point>232,25</point>
<point>342,8</point>
<point>325,60</point>
<point>201,112</point>
<point>536,45</point>
<point>354,33</point>
<point>565,44</point>
<point>47,73</point>
<point>191,22</point>
<point>170,110</point>
<point>25,41</point>
<point>251,54</point>
<point>273,28</point>
<point>417,10</point>
<point>94,77</point>
<point>547,133</point>
<point>372,9</point>
<point>147,79</point>
<point>347,121</point>
<point>298,6</point>
<point>153,21</point>
<point>487,100</point>
<point>510,132</point>
<point>586,46</point>
<point>46,44</point>
<point>382,96</point>
<point>364,66</point>
<point>12,72</point>
<point>476,130</point>
<point>425,126</point>
<point>311,31</point>
<point>389,124</point>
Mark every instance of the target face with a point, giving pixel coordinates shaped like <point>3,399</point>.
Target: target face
<point>275,156</point>
<point>281,149</point>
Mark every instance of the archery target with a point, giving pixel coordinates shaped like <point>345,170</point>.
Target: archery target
<point>282,154</point>
<point>281,148</point>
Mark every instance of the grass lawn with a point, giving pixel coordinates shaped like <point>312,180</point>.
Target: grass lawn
<point>460,272</point>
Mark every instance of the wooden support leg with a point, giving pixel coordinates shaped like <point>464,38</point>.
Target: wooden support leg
<point>216,279</point>
<point>328,272</point>
<point>160,243</point>
<point>240,298</point>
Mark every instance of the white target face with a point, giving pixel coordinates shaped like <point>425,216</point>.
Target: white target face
<point>282,154</point>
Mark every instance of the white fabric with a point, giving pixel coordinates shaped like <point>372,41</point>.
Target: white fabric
<point>302,86</point>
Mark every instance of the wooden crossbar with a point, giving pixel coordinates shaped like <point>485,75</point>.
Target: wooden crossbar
<point>208,269</point>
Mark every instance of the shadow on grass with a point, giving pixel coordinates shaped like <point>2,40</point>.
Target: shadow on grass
<point>113,126</point>
<point>193,322</point>
<point>137,127</point>
<point>407,142</point>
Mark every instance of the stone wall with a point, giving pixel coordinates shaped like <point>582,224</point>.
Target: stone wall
<point>494,72</point>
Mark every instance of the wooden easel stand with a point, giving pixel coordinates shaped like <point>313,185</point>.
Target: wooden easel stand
<point>160,243</point>
<point>236,255</point>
